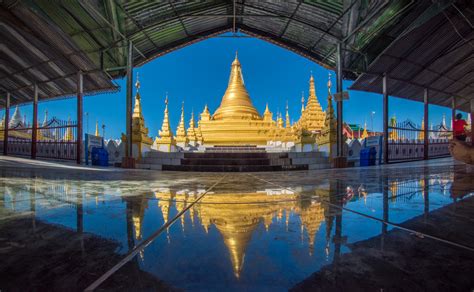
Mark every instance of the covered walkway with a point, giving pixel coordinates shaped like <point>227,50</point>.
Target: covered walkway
<point>418,50</point>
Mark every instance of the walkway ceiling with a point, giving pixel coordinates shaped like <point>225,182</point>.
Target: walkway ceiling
<point>93,35</point>
<point>436,52</point>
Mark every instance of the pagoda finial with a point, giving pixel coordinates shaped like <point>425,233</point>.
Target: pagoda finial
<point>288,122</point>
<point>302,101</point>
<point>137,84</point>
<point>329,82</point>
<point>97,128</point>
<point>181,131</point>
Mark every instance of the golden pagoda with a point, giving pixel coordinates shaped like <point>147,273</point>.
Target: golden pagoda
<point>364,133</point>
<point>68,136</point>
<point>236,121</point>
<point>393,135</point>
<point>97,134</point>
<point>312,116</point>
<point>327,138</point>
<point>166,141</point>
<point>192,132</point>
<point>181,137</point>
<point>140,139</point>
<point>421,134</point>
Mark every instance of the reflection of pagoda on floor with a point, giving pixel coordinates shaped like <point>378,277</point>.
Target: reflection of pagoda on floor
<point>237,216</point>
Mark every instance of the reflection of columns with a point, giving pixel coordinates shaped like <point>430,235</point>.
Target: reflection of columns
<point>426,197</point>
<point>80,218</point>
<point>338,227</point>
<point>7,119</point>
<point>129,210</point>
<point>33,206</point>
<point>385,209</point>
<point>34,133</point>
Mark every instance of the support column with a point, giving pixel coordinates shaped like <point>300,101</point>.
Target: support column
<point>425,121</point>
<point>453,112</point>
<point>472,121</point>
<point>128,151</point>
<point>34,130</point>
<point>7,119</point>
<point>79,117</point>
<point>385,119</point>
<point>340,148</point>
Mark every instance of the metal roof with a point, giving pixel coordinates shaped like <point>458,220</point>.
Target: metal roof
<point>93,35</point>
<point>35,51</point>
<point>436,52</point>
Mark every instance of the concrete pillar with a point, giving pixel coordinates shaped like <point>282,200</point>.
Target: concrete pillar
<point>128,150</point>
<point>79,117</point>
<point>472,121</point>
<point>453,112</point>
<point>340,145</point>
<point>425,121</point>
<point>7,119</point>
<point>385,119</point>
<point>34,133</point>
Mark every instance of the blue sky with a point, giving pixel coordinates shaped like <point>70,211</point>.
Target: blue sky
<point>198,75</point>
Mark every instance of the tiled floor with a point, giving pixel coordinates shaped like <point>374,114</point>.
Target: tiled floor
<point>397,227</point>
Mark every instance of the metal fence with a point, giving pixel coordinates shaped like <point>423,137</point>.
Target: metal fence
<point>406,141</point>
<point>54,139</point>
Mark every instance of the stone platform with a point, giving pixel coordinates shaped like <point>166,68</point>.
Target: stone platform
<point>238,160</point>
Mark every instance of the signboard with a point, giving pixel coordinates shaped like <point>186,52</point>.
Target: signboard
<point>373,141</point>
<point>339,97</point>
<point>92,141</point>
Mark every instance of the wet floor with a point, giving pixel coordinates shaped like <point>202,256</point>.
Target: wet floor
<point>346,229</point>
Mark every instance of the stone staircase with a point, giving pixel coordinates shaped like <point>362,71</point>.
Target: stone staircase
<point>237,159</point>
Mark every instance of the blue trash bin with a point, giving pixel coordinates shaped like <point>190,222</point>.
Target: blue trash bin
<point>372,155</point>
<point>368,156</point>
<point>99,156</point>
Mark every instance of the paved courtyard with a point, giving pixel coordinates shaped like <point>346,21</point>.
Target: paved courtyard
<point>404,226</point>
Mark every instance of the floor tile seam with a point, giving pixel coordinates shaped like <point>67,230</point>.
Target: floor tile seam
<point>466,247</point>
<point>145,243</point>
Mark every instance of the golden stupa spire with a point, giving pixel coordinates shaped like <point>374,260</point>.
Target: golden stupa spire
<point>191,133</point>
<point>365,134</point>
<point>288,122</point>
<point>165,128</point>
<point>181,131</point>
<point>97,133</point>
<point>280,120</point>
<point>421,134</point>
<point>69,136</point>
<point>205,115</point>
<point>137,110</point>
<point>312,98</point>
<point>302,102</point>
<point>236,102</point>
<point>267,115</point>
